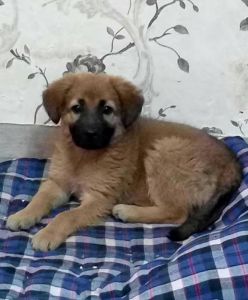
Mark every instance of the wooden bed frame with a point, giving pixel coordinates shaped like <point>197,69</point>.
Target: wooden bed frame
<point>26,141</point>
<point>18,141</point>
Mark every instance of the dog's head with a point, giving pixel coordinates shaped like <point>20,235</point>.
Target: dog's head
<point>96,108</point>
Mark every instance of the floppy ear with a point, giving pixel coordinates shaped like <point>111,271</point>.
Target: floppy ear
<point>131,100</point>
<point>54,96</point>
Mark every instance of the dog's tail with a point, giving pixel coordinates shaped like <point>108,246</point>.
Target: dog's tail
<point>200,218</point>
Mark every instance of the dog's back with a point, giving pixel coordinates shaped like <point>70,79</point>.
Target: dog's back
<point>195,169</point>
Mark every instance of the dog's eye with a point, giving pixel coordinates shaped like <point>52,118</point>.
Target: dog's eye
<point>76,108</point>
<point>107,110</point>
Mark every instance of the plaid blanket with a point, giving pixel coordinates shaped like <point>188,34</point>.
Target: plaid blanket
<point>122,261</point>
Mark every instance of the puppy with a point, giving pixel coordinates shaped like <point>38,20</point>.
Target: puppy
<point>141,170</point>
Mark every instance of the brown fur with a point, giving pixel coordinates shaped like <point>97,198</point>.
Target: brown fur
<point>152,172</point>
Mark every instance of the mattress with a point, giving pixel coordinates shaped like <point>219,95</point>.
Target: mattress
<point>117,260</point>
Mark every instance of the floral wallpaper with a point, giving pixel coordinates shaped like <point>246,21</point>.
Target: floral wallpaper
<point>188,56</point>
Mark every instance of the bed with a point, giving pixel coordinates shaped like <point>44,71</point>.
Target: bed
<point>117,260</point>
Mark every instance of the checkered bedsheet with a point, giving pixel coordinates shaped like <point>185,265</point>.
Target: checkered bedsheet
<point>122,261</point>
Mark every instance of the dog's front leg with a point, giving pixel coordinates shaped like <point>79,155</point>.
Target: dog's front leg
<point>93,209</point>
<point>49,196</point>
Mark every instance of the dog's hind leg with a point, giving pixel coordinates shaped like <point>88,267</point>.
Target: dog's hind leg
<point>49,196</point>
<point>145,214</point>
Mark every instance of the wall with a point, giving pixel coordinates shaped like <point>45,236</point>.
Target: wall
<point>189,57</point>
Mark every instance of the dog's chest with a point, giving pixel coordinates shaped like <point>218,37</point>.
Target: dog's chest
<point>85,175</point>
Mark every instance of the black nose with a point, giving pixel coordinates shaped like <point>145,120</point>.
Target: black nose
<point>91,133</point>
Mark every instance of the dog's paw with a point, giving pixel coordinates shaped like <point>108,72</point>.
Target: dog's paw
<point>122,212</point>
<point>21,220</point>
<point>46,240</point>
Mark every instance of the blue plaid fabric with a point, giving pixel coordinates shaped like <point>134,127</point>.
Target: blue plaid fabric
<point>122,261</point>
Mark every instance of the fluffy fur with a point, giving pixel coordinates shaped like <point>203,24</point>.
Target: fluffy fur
<point>150,171</point>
